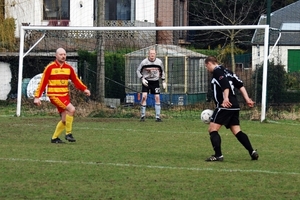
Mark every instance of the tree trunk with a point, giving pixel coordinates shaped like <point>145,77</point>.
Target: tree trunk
<point>100,93</point>
<point>232,46</point>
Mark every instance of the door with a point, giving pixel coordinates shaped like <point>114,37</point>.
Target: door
<point>293,60</point>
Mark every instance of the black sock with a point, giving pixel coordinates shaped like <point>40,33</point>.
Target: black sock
<point>244,140</point>
<point>216,142</point>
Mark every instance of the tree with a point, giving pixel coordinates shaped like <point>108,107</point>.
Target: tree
<point>100,91</point>
<point>226,12</point>
<point>276,83</point>
<point>277,4</point>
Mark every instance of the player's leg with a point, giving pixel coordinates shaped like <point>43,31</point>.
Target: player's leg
<point>61,124</point>
<point>155,89</point>
<point>215,139</point>
<point>244,140</point>
<point>157,108</point>
<point>66,110</point>
<point>145,90</point>
<point>59,128</point>
<point>241,136</point>
<point>143,105</point>
<point>69,117</point>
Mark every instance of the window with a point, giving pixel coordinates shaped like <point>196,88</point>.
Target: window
<point>56,9</point>
<point>118,9</point>
<point>293,60</point>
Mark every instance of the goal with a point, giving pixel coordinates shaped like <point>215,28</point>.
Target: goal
<point>113,54</point>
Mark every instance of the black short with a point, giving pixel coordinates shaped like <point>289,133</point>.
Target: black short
<point>226,117</point>
<point>153,87</point>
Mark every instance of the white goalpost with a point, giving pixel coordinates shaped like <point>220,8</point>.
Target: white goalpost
<point>23,54</point>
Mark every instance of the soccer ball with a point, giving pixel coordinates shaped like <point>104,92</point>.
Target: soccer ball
<point>206,115</point>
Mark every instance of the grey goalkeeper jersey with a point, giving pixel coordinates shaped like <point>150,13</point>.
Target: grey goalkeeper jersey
<point>151,71</point>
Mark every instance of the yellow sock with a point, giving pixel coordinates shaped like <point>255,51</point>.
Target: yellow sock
<point>59,128</point>
<point>69,124</point>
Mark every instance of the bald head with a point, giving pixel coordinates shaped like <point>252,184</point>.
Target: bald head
<point>61,55</point>
<point>152,55</point>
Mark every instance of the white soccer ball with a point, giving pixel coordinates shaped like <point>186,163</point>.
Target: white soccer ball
<point>206,115</point>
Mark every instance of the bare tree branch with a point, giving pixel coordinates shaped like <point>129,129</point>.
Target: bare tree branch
<point>226,12</point>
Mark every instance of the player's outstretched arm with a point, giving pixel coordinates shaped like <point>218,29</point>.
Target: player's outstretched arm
<point>87,92</point>
<point>226,103</point>
<point>37,101</point>
<point>248,100</point>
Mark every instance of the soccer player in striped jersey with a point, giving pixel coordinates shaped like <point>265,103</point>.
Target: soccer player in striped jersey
<point>150,71</point>
<point>56,76</point>
<point>227,108</point>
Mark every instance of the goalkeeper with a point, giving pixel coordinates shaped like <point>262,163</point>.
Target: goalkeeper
<point>56,76</point>
<point>150,71</point>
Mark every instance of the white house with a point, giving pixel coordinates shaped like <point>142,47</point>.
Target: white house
<point>76,12</point>
<point>84,13</point>
<point>71,13</point>
<point>285,31</point>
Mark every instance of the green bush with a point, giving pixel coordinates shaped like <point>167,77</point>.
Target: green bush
<point>7,34</point>
<point>293,81</point>
<point>276,82</point>
<point>114,72</point>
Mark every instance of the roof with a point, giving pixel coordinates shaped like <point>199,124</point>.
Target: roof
<point>166,50</point>
<point>288,14</point>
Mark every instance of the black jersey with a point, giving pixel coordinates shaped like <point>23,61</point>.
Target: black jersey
<point>221,80</point>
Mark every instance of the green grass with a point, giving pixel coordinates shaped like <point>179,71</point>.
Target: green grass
<point>127,159</point>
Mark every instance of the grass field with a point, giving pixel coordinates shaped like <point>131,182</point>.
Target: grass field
<point>127,159</point>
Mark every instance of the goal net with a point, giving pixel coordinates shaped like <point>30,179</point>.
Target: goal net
<point>106,59</point>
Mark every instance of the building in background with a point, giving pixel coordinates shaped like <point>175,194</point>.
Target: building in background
<point>171,13</point>
<point>124,13</point>
<point>285,30</point>
<point>66,13</point>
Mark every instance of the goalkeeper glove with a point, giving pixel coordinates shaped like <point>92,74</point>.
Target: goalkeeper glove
<point>145,82</point>
<point>164,85</point>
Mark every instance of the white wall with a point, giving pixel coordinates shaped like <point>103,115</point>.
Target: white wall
<point>5,79</point>
<point>23,12</point>
<point>257,56</point>
<point>81,16</point>
<point>282,53</point>
<point>279,55</point>
<point>145,10</point>
<point>31,11</point>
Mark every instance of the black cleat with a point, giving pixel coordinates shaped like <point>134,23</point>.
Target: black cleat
<point>70,138</point>
<point>158,120</point>
<point>142,119</point>
<point>57,141</point>
<point>214,158</point>
<point>254,155</point>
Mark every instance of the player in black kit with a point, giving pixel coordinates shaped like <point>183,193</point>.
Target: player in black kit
<point>227,108</point>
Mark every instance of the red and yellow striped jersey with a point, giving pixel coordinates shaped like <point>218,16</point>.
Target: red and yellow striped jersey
<point>57,78</point>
